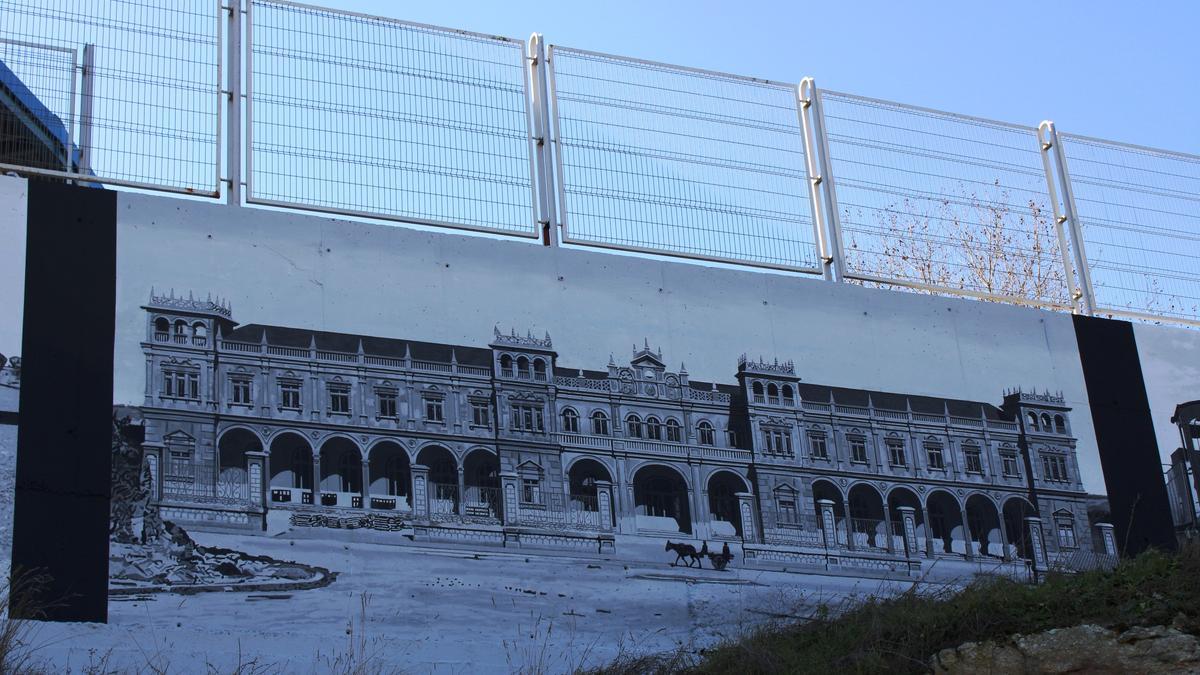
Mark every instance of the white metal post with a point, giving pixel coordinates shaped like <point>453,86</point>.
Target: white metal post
<point>833,225</point>
<point>1046,144</point>
<point>541,130</point>
<point>804,109</point>
<point>233,77</point>
<point>1048,135</point>
<point>86,101</point>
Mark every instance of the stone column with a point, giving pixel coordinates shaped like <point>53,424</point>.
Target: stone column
<point>316,482</point>
<point>908,521</point>
<point>604,503</point>
<point>365,492</point>
<point>1108,537</point>
<point>462,492</point>
<point>508,486</point>
<point>746,509</point>
<point>1033,525</point>
<point>1004,552</point>
<point>420,490</point>
<point>969,547</point>
<point>928,531</point>
<point>828,522</point>
<point>255,470</point>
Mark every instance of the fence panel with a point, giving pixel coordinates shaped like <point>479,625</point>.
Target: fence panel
<point>37,83</point>
<point>155,96</point>
<point>670,160</point>
<point>1139,211</point>
<point>382,118</point>
<point>943,202</point>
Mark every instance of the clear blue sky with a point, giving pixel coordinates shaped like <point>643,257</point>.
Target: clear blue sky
<point>1123,71</point>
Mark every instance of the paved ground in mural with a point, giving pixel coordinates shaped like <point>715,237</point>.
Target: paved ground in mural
<point>442,610</point>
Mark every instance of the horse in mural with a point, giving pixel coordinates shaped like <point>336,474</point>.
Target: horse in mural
<point>684,551</point>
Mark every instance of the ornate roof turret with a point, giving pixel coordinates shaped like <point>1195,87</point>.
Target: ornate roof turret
<point>528,341</point>
<point>190,304</point>
<point>787,369</point>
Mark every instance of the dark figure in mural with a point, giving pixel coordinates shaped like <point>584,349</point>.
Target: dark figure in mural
<point>684,551</point>
<point>719,560</point>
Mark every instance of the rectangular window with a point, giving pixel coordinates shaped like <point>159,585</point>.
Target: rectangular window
<point>193,386</point>
<point>1011,467</point>
<point>1054,468</point>
<point>481,413</point>
<point>387,403</point>
<point>974,459</point>
<point>527,418</point>
<point>858,449</point>
<point>168,384</point>
<point>1066,534</point>
<point>531,491</point>
<point>818,446</point>
<point>289,395</point>
<point>778,442</point>
<point>433,409</point>
<point>787,511</point>
<point>339,399</point>
<point>937,459</point>
<point>730,438</point>
<point>241,390</point>
<point>896,452</point>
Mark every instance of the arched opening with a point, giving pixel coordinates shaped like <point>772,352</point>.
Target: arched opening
<point>660,495</point>
<point>181,331</point>
<point>539,370</point>
<point>390,476</point>
<point>506,365</point>
<point>581,479</point>
<point>232,480</point>
<point>824,490</point>
<point>1047,425</point>
<point>723,506</point>
<point>522,368</point>
<point>633,426</point>
<point>1015,511</point>
<point>291,469</point>
<point>653,428</point>
<point>1060,424</point>
<point>757,388</point>
<point>674,431</point>
<point>897,498</point>
<point>199,333</point>
<point>341,473</point>
<point>983,522</point>
<point>481,479</point>
<point>706,433</point>
<point>773,394</point>
<point>789,398</point>
<point>945,524</point>
<point>599,423</point>
<point>162,329</point>
<point>570,421</point>
<point>867,517</point>
<point>443,478</point>
<point>1033,421</point>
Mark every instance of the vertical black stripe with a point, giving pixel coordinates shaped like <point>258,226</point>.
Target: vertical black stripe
<point>1137,495</point>
<point>60,522</point>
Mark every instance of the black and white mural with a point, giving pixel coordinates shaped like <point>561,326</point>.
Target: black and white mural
<point>339,442</point>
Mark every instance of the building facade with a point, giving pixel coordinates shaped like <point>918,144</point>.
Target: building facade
<point>1183,481</point>
<point>245,419</point>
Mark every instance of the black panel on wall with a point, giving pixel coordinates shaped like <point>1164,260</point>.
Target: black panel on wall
<point>60,519</point>
<point>1137,495</point>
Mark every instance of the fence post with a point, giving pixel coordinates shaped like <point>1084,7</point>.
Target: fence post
<point>544,174</point>
<point>820,177</point>
<point>233,77</point>
<point>86,103</point>
<point>1078,275</point>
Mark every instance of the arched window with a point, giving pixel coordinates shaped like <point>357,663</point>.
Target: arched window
<point>506,365</point>
<point>653,429</point>
<point>633,426</point>
<point>1047,425</point>
<point>599,423</point>
<point>161,328</point>
<point>199,333</point>
<point>539,370</point>
<point>1033,421</point>
<point>570,421</point>
<point>773,394</point>
<point>705,431</point>
<point>522,368</point>
<point>788,398</point>
<point>757,388</point>
<point>1060,424</point>
<point>181,331</point>
<point>674,431</point>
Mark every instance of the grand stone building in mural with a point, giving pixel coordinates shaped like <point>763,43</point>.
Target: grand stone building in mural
<point>504,443</point>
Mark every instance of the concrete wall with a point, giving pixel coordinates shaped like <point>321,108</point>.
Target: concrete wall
<point>298,270</point>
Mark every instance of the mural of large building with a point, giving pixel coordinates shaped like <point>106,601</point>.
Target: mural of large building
<point>1183,480</point>
<point>503,442</point>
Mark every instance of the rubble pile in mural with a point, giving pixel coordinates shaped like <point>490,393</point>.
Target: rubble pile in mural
<point>148,553</point>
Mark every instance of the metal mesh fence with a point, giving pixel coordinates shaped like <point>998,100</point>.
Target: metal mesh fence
<point>155,94</point>
<point>943,202</point>
<point>375,117</point>
<point>1139,211</point>
<point>37,85</point>
<point>671,160</point>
